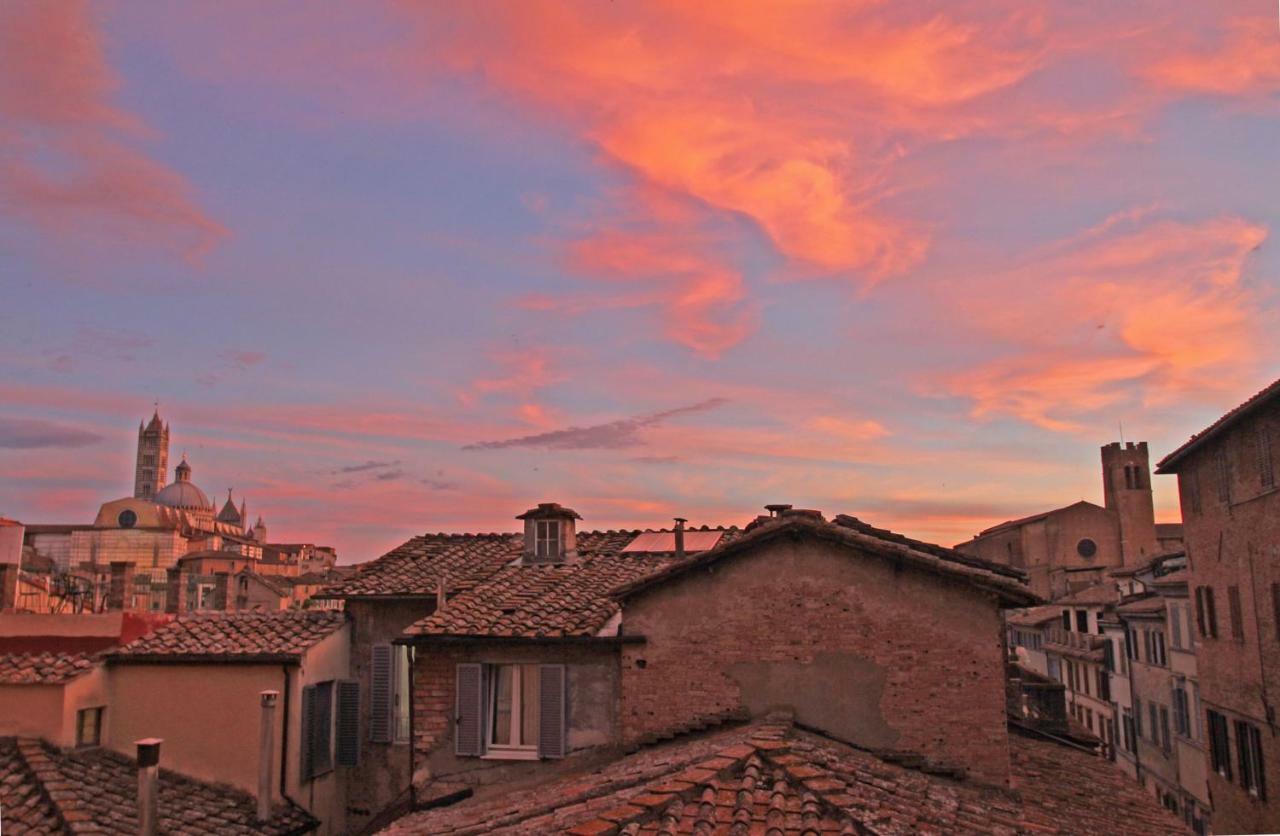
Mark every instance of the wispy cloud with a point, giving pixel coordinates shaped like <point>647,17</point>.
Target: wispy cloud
<point>369,465</point>
<point>610,436</point>
<point>25,434</point>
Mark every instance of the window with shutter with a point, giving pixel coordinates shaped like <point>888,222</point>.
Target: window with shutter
<point>1210,613</point>
<point>552,712</point>
<point>348,723</point>
<point>468,738</point>
<point>319,737</point>
<point>1237,616</point>
<point>308,720</point>
<point>380,674</point>
<point>1265,466</point>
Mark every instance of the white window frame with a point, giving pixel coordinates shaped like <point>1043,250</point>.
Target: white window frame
<point>508,751</point>
<point>547,536</point>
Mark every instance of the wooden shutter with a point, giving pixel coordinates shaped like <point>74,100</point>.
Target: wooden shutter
<point>308,732</point>
<point>552,711</point>
<point>1237,616</point>
<point>468,738</point>
<point>380,693</point>
<point>1210,612</point>
<point>348,745</point>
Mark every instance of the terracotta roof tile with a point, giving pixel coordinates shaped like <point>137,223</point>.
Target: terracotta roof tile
<point>44,668</point>
<point>418,566</point>
<point>774,776</point>
<point>46,790</point>
<point>231,636</point>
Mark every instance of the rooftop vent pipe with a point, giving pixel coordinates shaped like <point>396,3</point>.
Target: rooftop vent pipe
<point>679,533</point>
<point>148,785</point>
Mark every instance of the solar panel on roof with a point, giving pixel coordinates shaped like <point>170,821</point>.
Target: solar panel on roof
<point>665,541</point>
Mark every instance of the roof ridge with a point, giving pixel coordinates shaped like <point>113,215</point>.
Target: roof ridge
<point>35,759</point>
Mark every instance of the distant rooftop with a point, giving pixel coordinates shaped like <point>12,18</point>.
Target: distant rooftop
<point>281,636</point>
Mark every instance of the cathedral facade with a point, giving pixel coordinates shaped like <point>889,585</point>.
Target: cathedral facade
<point>160,523</point>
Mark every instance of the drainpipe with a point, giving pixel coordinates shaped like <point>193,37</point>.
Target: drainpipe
<point>148,785</point>
<point>266,750</point>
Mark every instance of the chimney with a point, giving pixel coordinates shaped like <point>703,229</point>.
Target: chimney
<point>777,508</point>
<point>120,591</point>
<point>266,752</point>
<point>442,592</point>
<point>175,599</point>
<point>8,587</point>
<point>679,534</point>
<point>148,785</point>
<point>221,591</point>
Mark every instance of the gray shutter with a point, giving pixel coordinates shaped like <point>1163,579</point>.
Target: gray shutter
<point>348,723</point>
<point>552,711</point>
<point>380,693</point>
<point>308,733</point>
<point>468,738</point>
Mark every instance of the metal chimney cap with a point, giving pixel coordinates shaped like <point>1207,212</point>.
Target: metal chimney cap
<point>269,698</point>
<point>149,751</point>
<point>777,508</point>
<point>680,520</point>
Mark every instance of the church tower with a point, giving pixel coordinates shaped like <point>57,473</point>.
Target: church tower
<point>1126,481</point>
<point>153,458</point>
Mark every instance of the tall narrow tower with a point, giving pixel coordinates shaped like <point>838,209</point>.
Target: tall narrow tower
<point>153,457</point>
<point>1126,481</point>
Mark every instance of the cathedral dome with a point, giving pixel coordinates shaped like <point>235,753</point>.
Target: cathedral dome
<point>184,495</point>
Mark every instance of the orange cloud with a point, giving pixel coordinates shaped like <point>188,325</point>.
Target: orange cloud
<point>65,164</point>
<point>702,301</point>
<point>1141,316</point>
<point>1246,62</point>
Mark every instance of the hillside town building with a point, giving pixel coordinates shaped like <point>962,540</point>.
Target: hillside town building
<point>1231,512</point>
<point>163,526</point>
<point>1077,546</point>
<point>539,659</point>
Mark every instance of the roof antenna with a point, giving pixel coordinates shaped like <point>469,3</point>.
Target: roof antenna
<point>1120,421</point>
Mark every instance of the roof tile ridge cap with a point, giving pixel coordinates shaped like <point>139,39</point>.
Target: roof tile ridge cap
<point>933,559</point>
<point>38,762</point>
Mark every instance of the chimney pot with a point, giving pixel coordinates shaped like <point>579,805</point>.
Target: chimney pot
<point>266,752</point>
<point>148,785</point>
<point>776,509</point>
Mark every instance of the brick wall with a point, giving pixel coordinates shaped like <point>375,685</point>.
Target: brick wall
<point>890,659</point>
<point>592,705</point>
<point>1236,543</point>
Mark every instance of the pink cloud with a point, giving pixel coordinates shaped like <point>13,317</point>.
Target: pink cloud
<point>69,161</point>
<point>1140,315</point>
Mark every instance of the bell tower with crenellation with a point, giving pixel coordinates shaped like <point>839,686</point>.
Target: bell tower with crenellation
<point>153,457</point>
<point>1126,481</point>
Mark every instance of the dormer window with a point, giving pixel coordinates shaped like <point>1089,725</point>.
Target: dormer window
<point>549,534</point>
<point>547,539</point>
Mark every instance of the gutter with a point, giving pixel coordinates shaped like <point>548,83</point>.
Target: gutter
<point>203,658</point>
<point>457,639</point>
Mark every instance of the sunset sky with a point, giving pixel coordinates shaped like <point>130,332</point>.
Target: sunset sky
<point>403,267</point>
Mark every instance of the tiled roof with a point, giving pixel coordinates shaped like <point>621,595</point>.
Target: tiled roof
<point>1096,595</point>
<point>774,778</point>
<point>461,561</point>
<point>533,601</point>
<point>44,668</point>
<point>245,636</point>
<point>1150,605</point>
<point>577,599</point>
<point>418,566</point>
<point>1033,616</point>
<point>1032,518</point>
<point>44,790</point>
<point>551,600</point>
<point>1166,465</point>
<point>851,532</point>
